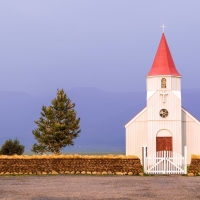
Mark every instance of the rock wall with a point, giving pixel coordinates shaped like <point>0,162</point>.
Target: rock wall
<point>195,166</point>
<point>131,166</point>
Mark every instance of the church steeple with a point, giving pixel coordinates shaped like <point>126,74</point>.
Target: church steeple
<point>163,62</point>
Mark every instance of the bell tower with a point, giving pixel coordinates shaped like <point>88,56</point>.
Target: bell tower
<point>163,103</point>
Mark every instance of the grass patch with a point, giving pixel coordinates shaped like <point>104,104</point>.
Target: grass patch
<point>195,156</point>
<point>149,174</point>
<point>75,156</point>
<point>188,169</point>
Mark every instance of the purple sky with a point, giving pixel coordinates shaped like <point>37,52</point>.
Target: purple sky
<point>107,44</point>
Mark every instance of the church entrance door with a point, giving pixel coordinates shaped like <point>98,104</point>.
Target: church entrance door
<point>163,143</point>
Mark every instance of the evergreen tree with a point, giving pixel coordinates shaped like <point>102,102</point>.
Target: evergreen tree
<point>11,147</point>
<point>57,126</point>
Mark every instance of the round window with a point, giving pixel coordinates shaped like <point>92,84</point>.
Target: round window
<point>163,113</point>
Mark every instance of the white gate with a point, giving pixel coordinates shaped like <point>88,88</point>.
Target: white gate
<point>165,162</point>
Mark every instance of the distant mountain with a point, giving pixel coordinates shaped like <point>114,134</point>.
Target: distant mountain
<point>18,111</point>
<point>103,116</point>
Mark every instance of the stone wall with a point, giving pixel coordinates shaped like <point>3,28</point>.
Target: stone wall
<point>195,166</point>
<point>79,165</point>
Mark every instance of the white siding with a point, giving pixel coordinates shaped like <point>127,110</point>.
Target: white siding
<point>176,83</point>
<point>143,128</point>
<point>136,135</point>
<point>172,122</point>
<point>191,134</point>
<point>174,127</point>
<point>154,83</point>
<point>151,83</point>
<point>172,104</point>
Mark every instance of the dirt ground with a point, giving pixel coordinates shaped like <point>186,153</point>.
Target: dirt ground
<point>60,187</point>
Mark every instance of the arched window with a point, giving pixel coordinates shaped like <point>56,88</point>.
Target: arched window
<point>163,83</point>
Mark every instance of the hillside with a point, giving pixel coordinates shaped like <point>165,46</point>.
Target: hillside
<point>103,115</point>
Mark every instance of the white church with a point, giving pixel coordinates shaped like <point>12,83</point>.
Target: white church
<point>163,125</point>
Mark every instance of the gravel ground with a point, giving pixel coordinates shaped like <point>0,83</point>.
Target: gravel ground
<point>60,187</point>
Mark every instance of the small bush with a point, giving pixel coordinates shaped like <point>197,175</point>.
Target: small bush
<point>12,147</point>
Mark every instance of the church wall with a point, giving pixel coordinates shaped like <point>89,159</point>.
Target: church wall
<point>171,123</point>
<point>136,136</point>
<point>174,127</point>
<point>155,104</point>
<point>151,83</point>
<point>176,83</point>
<point>191,135</point>
<point>142,117</point>
<point>154,83</point>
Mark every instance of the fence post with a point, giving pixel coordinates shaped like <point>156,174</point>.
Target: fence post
<point>144,159</point>
<point>185,160</point>
<point>143,156</point>
<point>164,162</point>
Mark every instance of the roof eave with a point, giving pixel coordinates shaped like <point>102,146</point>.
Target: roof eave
<point>164,75</point>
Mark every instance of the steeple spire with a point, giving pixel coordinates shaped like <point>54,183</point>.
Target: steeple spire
<point>163,63</point>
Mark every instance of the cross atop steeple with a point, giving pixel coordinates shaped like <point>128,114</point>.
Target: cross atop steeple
<point>163,27</point>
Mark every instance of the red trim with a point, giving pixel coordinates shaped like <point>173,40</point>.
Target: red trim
<point>163,63</point>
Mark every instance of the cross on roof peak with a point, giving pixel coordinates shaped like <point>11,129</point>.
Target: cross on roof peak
<point>163,27</point>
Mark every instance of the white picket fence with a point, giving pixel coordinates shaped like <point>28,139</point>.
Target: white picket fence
<point>165,162</point>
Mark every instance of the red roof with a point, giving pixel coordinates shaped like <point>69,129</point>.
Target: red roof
<point>163,63</point>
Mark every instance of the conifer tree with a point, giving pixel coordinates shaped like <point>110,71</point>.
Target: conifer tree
<point>57,126</point>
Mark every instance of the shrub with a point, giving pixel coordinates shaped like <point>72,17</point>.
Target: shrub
<point>12,147</point>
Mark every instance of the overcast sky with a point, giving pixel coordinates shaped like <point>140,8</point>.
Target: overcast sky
<point>107,44</point>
